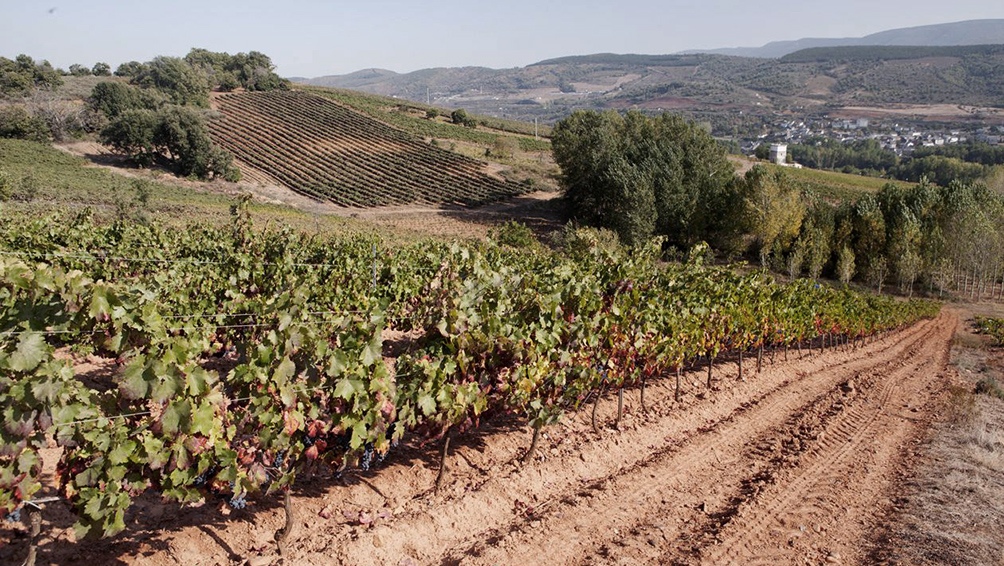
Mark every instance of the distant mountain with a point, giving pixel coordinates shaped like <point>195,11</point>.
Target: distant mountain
<point>734,94</point>
<point>970,32</point>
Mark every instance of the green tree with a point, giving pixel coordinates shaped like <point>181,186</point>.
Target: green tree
<point>130,69</point>
<point>101,70</point>
<point>845,265</point>
<point>112,98</point>
<point>175,135</point>
<point>20,76</point>
<point>817,233</point>
<point>78,70</point>
<point>181,82</point>
<point>18,123</point>
<point>461,117</point>
<point>132,134</point>
<point>869,239</point>
<point>613,164</point>
<point>774,209</point>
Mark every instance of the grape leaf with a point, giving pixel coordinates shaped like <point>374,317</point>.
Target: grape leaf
<point>29,354</point>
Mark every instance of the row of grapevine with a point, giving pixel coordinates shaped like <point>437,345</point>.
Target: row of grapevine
<point>329,152</point>
<point>244,357</point>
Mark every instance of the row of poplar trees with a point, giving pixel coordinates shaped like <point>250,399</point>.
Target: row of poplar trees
<point>644,176</point>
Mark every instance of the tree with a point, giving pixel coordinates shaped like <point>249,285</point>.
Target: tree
<point>18,123</point>
<point>132,134</point>
<point>610,163</point>
<point>869,239</point>
<point>253,71</point>
<point>101,70</point>
<point>20,76</point>
<point>61,117</point>
<point>181,82</point>
<point>460,117</point>
<point>817,232</point>
<point>130,69</point>
<point>845,265</point>
<point>78,70</point>
<point>175,135</point>
<point>113,98</point>
<point>774,209</point>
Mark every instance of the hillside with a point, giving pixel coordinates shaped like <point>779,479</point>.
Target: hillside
<point>329,152</point>
<point>734,94</point>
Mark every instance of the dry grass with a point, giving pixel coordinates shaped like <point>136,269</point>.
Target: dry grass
<point>953,506</point>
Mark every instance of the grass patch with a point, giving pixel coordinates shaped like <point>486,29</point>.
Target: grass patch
<point>961,403</point>
<point>836,186</point>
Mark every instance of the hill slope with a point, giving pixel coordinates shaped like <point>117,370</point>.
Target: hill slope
<point>329,152</point>
<point>735,94</point>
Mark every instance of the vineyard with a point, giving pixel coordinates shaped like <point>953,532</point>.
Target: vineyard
<point>244,358</point>
<point>328,152</point>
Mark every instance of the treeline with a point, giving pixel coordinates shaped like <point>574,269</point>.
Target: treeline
<point>643,177</point>
<point>941,165</point>
<point>848,53</point>
<point>157,116</point>
<point>29,109</point>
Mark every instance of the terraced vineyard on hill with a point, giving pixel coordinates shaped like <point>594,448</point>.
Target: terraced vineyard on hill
<point>328,152</point>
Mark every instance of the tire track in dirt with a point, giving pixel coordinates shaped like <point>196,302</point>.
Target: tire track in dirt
<point>839,491</point>
<point>685,484</point>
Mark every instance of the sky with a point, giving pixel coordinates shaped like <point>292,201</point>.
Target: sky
<point>310,38</point>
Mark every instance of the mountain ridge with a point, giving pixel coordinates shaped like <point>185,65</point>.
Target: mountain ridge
<point>966,32</point>
<point>734,94</point>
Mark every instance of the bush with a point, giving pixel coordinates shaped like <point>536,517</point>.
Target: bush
<point>578,241</point>
<point>989,386</point>
<point>514,234</point>
<point>461,118</point>
<point>18,123</point>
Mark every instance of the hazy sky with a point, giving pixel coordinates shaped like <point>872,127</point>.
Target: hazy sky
<point>312,38</point>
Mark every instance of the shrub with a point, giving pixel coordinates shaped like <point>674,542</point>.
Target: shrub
<point>18,123</point>
<point>512,233</point>
<point>990,386</point>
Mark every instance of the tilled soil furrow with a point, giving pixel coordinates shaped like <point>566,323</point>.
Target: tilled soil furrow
<point>820,511</point>
<point>684,484</point>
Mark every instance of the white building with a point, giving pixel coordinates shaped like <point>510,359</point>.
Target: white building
<point>779,153</point>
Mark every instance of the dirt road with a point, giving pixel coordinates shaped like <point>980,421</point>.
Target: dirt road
<point>796,464</point>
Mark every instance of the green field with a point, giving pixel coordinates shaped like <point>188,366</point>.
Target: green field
<point>835,186</point>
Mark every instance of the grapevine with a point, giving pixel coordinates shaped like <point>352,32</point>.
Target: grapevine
<point>245,357</point>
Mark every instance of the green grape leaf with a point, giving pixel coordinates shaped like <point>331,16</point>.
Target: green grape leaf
<point>175,416</point>
<point>29,354</point>
<point>373,352</point>
<point>121,452</point>
<point>427,403</point>
<point>133,383</point>
<point>203,420</point>
<point>346,388</point>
